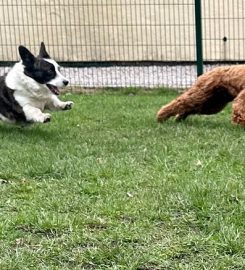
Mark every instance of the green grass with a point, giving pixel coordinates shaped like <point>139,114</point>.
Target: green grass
<point>104,186</point>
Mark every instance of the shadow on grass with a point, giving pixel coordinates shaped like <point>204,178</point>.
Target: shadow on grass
<point>204,122</point>
<point>33,131</point>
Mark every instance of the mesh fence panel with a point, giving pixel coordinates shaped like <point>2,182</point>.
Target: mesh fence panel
<point>123,43</point>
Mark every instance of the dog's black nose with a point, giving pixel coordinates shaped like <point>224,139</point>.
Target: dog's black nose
<point>65,82</point>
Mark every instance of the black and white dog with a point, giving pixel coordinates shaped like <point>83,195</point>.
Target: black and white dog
<point>31,86</point>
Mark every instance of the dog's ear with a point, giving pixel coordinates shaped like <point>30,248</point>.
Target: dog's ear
<point>43,53</point>
<point>26,56</point>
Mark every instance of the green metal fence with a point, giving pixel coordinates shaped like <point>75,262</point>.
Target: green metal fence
<point>121,43</point>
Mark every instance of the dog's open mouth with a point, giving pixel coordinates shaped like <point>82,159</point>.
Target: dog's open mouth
<point>54,89</point>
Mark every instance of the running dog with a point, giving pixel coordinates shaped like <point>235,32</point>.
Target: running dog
<point>210,94</point>
<point>31,86</point>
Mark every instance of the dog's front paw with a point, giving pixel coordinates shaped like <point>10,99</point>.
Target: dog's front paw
<point>46,118</point>
<point>68,105</point>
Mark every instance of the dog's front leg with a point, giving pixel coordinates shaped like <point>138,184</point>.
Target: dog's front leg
<point>55,104</point>
<point>35,115</point>
<point>238,109</point>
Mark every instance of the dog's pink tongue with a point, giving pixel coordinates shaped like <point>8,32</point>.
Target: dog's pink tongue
<point>55,90</point>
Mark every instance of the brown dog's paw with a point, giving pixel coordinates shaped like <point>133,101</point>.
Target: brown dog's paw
<point>180,117</point>
<point>238,119</point>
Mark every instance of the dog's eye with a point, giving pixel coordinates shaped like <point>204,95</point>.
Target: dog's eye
<point>50,71</point>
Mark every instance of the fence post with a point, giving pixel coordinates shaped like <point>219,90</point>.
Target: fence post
<point>198,24</point>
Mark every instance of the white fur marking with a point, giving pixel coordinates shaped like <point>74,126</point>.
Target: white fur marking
<point>59,79</point>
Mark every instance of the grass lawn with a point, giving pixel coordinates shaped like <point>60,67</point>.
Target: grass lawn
<point>106,187</point>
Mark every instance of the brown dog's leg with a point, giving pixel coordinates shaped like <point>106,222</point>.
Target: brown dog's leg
<point>216,102</point>
<point>190,101</point>
<point>187,103</point>
<point>197,100</point>
<point>238,109</point>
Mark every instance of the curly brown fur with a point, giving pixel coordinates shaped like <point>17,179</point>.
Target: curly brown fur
<point>210,94</point>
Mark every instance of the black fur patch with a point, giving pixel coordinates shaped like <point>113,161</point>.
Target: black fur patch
<point>9,107</point>
<point>36,67</point>
<point>41,71</point>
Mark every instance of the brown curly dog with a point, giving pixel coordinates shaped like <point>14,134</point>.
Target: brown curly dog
<point>210,94</point>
